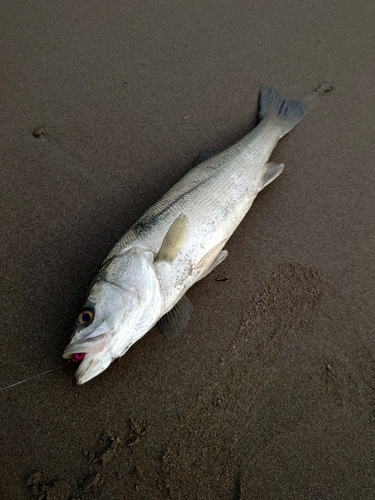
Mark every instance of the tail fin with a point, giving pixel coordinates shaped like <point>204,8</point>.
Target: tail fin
<point>290,113</point>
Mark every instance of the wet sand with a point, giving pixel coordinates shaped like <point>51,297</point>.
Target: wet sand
<point>269,392</point>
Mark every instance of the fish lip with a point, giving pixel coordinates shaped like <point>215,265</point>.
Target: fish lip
<point>91,343</point>
<point>82,347</point>
<point>82,368</point>
<point>91,366</point>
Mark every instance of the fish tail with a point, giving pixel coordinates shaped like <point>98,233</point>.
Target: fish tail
<point>288,113</point>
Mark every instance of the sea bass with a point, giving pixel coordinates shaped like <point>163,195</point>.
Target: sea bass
<point>177,242</point>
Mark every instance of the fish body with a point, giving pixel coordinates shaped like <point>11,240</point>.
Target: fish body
<point>177,242</point>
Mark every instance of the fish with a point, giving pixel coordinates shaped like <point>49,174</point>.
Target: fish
<point>178,241</point>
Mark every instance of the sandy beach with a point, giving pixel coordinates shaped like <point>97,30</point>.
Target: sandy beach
<point>269,392</point>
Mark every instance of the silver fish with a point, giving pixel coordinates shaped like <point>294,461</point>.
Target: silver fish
<point>178,241</point>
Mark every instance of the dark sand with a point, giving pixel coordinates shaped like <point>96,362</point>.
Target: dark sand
<point>270,391</point>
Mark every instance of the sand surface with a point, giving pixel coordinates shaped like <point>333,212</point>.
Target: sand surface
<point>269,393</point>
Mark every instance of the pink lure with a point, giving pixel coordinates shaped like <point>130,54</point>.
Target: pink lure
<point>79,357</point>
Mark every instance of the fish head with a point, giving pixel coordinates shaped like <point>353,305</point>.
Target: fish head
<point>108,315</point>
<point>120,308</point>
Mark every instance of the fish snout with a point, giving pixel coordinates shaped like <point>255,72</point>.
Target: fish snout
<point>92,343</point>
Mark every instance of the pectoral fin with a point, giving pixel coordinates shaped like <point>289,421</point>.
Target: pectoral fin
<point>219,259</point>
<point>273,170</point>
<point>172,323</point>
<point>174,240</point>
<point>212,259</point>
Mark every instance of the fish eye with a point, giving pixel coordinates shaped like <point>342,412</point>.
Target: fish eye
<point>86,317</point>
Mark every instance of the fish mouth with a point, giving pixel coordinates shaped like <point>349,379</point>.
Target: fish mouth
<point>90,353</point>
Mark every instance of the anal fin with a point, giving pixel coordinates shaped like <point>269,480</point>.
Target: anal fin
<point>272,171</point>
<point>172,323</point>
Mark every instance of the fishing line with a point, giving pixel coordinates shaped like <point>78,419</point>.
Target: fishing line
<point>31,378</point>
